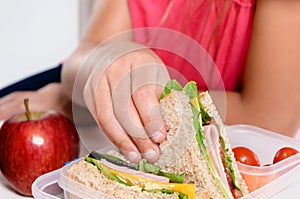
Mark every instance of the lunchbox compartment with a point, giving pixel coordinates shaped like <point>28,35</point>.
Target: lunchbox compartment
<point>280,180</point>
<point>275,179</point>
<point>46,186</point>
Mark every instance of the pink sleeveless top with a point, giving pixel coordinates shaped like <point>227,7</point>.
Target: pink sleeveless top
<point>222,28</point>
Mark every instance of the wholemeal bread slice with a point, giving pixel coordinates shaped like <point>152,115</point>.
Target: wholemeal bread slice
<point>197,151</point>
<point>211,109</point>
<point>180,152</point>
<point>88,175</point>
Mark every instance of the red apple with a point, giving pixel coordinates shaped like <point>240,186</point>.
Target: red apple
<point>32,144</point>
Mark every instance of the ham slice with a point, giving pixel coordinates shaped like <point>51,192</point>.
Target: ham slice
<point>135,172</point>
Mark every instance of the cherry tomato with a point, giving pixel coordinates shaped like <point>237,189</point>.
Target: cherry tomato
<point>246,156</point>
<point>284,153</point>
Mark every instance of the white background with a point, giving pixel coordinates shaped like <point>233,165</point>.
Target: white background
<point>35,35</point>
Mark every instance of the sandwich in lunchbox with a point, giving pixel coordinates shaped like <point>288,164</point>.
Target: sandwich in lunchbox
<point>191,164</point>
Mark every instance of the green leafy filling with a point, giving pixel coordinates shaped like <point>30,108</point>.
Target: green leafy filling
<point>190,89</point>
<point>229,164</point>
<point>143,166</point>
<point>150,168</point>
<point>200,116</point>
<point>170,85</point>
<point>108,174</point>
<point>105,171</point>
<point>167,191</point>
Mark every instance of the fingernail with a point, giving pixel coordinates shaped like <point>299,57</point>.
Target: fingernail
<point>157,137</point>
<point>133,156</point>
<point>150,155</point>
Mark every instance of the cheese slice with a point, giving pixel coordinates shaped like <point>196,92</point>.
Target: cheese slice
<point>148,184</point>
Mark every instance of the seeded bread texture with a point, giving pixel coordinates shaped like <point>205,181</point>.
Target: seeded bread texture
<point>180,152</point>
<point>87,174</point>
<point>211,109</point>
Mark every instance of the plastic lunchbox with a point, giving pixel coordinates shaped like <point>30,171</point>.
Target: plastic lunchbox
<point>46,186</point>
<point>275,181</point>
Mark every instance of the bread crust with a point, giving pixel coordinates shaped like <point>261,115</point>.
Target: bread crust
<point>87,174</point>
<point>180,153</point>
<point>211,109</point>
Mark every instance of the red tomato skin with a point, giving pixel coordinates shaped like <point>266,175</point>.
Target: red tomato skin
<point>246,156</point>
<point>284,153</point>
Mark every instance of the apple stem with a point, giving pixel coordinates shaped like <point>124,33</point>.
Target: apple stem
<point>28,114</point>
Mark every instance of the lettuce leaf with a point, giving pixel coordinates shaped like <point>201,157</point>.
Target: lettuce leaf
<point>200,117</point>
<point>167,191</point>
<point>143,166</point>
<point>153,169</point>
<point>170,85</point>
<point>106,172</point>
<point>191,90</point>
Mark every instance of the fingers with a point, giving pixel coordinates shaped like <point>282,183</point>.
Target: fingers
<point>103,111</point>
<point>119,137</point>
<point>126,106</point>
<point>50,97</point>
<point>150,112</point>
<point>145,85</point>
<point>10,105</point>
<point>128,135</point>
<point>129,118</point>
<point>13,103</point>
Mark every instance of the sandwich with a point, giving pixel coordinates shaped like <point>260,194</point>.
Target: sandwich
<point>208,163</point>
<point>196,159</point>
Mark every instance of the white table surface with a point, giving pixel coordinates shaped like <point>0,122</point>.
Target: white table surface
<point>7,192</point>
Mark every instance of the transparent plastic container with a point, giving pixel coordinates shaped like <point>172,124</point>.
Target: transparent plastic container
<point>74,190</point>
<point>275,181</point>
<point>46,186</point>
